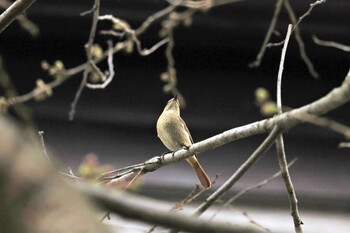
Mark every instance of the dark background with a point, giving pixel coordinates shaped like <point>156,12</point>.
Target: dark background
<point>212,57</point>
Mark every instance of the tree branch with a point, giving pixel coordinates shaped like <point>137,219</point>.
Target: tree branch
<point>293,201</point>
<point>282,159</point>
<point>11,13</point>
<point>268,35</point>
<point>333,44</point>
<point>87,71</point>
<point>335,98</point>
<point>267,143</point>
<point>298,38</point>
<point>280,70</point>
<point>255,186</point>
<point>148,210</point>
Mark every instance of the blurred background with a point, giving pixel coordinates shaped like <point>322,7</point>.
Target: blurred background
<point>211,57</point>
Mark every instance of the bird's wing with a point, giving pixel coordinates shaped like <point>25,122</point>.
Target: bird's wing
<point>186,129</point>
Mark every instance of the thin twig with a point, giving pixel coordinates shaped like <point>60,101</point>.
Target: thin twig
<point>293,201</point>
<point>300,41</point>
<point>73,105</point>
<point>192,196</point>
<point>307,13</point>
<point>133,35</point>
<point>96,10</point>
<point>268,35</point>
<point>267,143</point>
<point>282,160</point>
<point>9,90</point>
<point>117,171</point>
<point>297,34</point>
<point>71,175</point>
<point>203,4</point>
<point>296,23</point>
<point>252,221</point>
<point>146,52</point>
<point>41,136</point>
<point>280,70</point>
<point>151,19</point>
<point>326,123</point>
<point>255,186</point>
<point>333,44</point>
<point>110,69</point>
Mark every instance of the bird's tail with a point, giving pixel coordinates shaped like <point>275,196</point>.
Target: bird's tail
<point>202,176</point>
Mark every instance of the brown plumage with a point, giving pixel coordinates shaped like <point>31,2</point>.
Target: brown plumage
<point>174,134</point>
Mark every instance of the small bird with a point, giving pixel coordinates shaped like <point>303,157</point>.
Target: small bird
<point>174,134</point>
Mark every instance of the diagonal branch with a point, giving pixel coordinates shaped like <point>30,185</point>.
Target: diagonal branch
<point>255,186</point>
<point>268,35</point>
<point>11,13</point>
<point>267,143</point>
<point>148,210</point>
<point>299,40</point>
<point>335,98</point>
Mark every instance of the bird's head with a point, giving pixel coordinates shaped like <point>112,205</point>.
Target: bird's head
<point>173,105</point>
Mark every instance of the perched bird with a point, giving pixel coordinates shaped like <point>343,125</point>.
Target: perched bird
<point>174,134</point>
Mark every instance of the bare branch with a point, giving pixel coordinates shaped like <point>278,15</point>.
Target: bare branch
<point>334,99</point>
<point>297,35</point>
<point>300,41</point>
<point>333,44</point>
<point>269,108</point>
<point>11,13</point>
<point>268,35</point>
<point>282,160</point>
<point>280,70</point>
<point>307,13</point>
<point>96,10</point>
<point>133,35</point>
<point>296,23</point>
<point>252,221</point>
<point>146,52</point>
<point>267,143</point>
<point>147,210</point>
<point>41,135</point>
<point>327,124</point>
<point>203,4</point>
<point>293,201</point>
<point>110,69</point>
<point>145,25</point>
<point>22,20</point>
<point>256,186</point>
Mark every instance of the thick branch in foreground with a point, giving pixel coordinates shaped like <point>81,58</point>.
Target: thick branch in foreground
<point>11,13</point>
<point>34,198</point>
<point>148,210</point>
